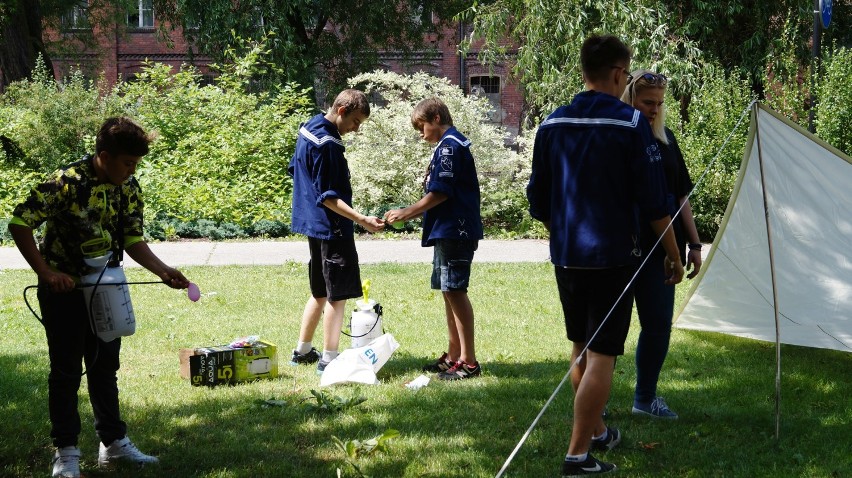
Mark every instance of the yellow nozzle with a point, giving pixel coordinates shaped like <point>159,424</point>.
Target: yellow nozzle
<point>365,289</point>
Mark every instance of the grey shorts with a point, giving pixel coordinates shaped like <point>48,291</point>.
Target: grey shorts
<point>451,264</point>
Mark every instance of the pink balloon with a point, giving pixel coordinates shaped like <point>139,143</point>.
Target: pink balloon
<point>192,292</point>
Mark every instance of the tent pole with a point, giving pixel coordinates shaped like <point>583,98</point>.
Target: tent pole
<point>772,275</point>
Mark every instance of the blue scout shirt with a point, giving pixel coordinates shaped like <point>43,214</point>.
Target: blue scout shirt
<point>319,172</point>
<point>595,166</point>
<point>453,172</point>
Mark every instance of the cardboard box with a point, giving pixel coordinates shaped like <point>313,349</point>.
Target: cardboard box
<point>222,364</point>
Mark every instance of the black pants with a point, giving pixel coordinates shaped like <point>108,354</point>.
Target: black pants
<point>70,340</point>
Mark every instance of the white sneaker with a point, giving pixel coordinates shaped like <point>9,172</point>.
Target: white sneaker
<point>123,449</point>
<point>66,462</point>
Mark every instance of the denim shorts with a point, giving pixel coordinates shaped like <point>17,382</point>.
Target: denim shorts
<point>451,264</point>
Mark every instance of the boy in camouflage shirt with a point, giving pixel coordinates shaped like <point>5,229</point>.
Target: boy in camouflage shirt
<point>90,208</point>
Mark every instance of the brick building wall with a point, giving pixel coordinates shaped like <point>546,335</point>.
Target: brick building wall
<point>493,81</point>
<point>120,54</point>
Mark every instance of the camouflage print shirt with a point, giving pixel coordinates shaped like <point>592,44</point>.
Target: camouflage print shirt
<point>81,214</point>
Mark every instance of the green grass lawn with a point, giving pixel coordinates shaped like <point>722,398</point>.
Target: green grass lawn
<point>722,387</point>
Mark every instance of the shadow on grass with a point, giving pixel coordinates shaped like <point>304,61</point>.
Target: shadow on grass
<point>722,387</point>
<point>24,424</point>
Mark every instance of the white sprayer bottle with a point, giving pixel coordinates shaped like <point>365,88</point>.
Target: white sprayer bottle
<point>108,300</point>
<point>366,323</point>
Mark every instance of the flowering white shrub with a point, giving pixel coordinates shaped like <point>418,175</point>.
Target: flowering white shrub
<point>388,160</point>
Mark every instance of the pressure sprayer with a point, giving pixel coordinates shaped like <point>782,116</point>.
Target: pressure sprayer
<point>365,325</point>
<point>108,298</point>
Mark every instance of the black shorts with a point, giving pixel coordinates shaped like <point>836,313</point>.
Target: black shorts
<point>333,270</point>
<point>587,295</point>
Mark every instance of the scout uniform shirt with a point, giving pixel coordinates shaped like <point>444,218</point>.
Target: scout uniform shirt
<point>453,172</point>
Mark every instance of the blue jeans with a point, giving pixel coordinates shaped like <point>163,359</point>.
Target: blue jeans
<point>654,303</point>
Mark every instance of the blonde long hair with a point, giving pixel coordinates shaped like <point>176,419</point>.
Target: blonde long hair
<point>658,126</point>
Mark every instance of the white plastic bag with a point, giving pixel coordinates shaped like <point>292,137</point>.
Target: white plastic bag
<point>361,364</point>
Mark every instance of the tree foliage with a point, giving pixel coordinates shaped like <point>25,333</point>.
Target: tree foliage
<point>326,40</point>
<point>24,22</point>
<point>676,38</point>
<point>739,34</point>
<point>20,39</point>
<point>548,35</point>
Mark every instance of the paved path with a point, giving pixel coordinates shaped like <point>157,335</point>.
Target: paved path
<point>278,252</point>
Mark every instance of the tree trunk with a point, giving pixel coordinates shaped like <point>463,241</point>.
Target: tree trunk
<point>21,41</point>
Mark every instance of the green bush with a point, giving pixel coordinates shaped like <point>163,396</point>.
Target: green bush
<point>834,95</point>
<point>54,124</point>
<point>713,113</point>
<point>5,237</point>
<point>220,154</point>
<point>269,228</point>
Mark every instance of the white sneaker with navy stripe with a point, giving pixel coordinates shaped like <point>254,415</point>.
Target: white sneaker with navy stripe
<point>123,450</point>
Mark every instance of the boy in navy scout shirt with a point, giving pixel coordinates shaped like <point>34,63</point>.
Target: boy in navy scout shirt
<point>452,224</point>
<point>322,210</point>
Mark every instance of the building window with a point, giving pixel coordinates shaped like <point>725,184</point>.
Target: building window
<point>489,87</point>
<point>142,16</point>
<point>77,18</point>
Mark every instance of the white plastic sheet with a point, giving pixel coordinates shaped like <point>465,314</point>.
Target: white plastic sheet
<point>360,365</point>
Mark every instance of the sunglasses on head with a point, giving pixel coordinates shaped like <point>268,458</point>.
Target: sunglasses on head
<point>653,79</point>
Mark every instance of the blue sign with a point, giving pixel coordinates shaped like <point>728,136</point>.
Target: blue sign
<point>825,12</point>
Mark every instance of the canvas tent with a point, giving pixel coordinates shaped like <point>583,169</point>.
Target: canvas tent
<point>788,223</point>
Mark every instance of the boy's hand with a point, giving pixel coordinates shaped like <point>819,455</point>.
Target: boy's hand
<point>673,270</point>
<point>372,223</point>
<point>399,215</point>
<point>174,278</point>
<point>57,281</point>
<point>395,215</point>
<point>693,261</point>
